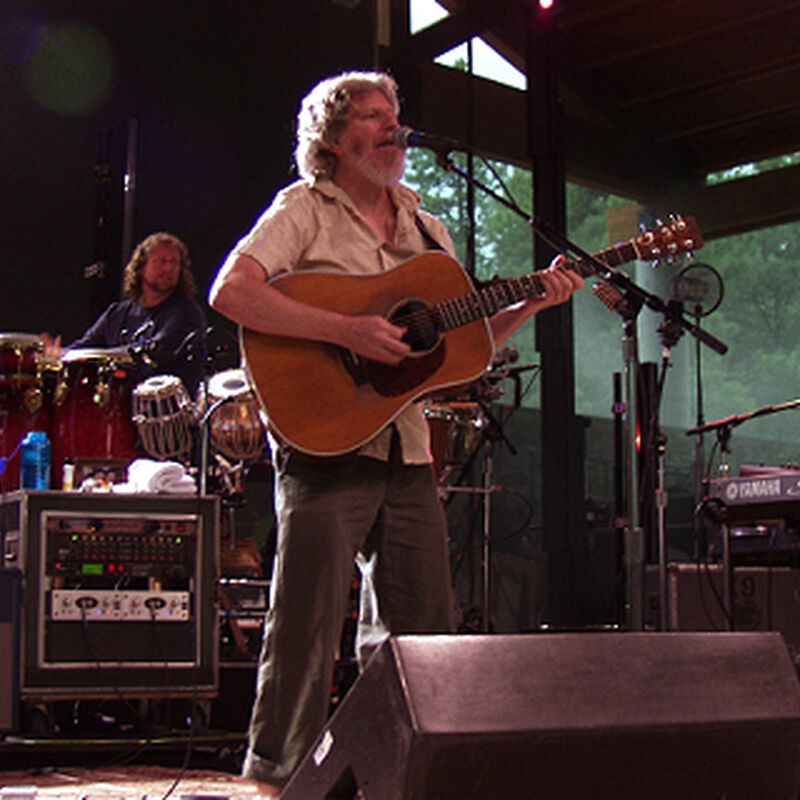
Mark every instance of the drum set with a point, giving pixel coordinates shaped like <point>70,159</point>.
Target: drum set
<point>95,414</point>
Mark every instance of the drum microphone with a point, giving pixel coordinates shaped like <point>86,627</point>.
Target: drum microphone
<point>139,354</point>
<point>143,331</point>
<point>140,346</point>
<point>188,344</point>
<point>507,355</point>
<point>406,137</point>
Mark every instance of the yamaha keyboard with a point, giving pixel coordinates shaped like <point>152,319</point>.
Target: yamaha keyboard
<point>774,495</point>
<point>762,515</point>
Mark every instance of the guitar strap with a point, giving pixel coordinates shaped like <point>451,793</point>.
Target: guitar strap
<point>427,235</point>
<point>434,245</point>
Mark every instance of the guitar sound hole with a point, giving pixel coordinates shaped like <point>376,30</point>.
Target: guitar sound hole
<point>421,333</point>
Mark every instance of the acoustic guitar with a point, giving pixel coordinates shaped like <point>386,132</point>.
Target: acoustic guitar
<point>324,400</point>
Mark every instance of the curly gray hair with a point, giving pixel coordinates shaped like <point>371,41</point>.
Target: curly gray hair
<point>323,114</point>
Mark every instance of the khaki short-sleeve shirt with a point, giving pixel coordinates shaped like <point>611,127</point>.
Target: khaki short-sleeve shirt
<point>315,225</point>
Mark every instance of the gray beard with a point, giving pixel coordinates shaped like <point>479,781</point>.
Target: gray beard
<point>383,177</point>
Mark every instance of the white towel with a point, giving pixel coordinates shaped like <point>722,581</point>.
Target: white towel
<point>160,477</point>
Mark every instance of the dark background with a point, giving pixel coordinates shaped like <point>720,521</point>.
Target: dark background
<point>212,89</point>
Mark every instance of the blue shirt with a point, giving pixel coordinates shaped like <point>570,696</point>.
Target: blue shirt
<point>172,334</point>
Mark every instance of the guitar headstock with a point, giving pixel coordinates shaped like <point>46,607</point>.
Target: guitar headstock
<point>678,235</point>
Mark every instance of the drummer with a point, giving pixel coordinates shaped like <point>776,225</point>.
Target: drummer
<point>159,321</point>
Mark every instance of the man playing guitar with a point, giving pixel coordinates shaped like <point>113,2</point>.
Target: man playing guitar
<point>348,215</point>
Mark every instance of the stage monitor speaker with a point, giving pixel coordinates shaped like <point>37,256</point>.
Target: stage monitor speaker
<point>10,582</point>
<point>583,715</point>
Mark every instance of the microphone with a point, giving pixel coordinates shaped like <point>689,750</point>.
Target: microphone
<point>188,345</point>
<point>140,345</point>
<point>143,331</point>
<point>406,137</point>
<point>690,289</point>
<point>507,355</point>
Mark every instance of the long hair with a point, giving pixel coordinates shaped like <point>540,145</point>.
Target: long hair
<point>323,114</point>
<point>132,276</point>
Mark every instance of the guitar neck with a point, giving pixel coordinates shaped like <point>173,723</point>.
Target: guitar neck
<point>500,294</point>
<point>614,256</point>
<point>679,235</point>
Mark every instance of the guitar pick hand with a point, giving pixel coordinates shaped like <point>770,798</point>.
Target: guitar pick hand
<point>376,338</point>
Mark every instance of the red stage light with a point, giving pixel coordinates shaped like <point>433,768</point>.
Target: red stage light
<point>546,5</point>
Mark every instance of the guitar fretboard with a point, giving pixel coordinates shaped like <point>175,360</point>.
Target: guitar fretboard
<point>424,324</point>
<point>501,294</point>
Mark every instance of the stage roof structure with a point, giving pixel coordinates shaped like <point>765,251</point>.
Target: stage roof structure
<point>655,96</point>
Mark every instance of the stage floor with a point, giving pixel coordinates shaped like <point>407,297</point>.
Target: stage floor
<point>129,782</point>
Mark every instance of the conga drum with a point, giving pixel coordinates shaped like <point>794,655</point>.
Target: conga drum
<point>235,426</point>
<point>23,404</point>
<point>163,415</point>
<point>92,413</point>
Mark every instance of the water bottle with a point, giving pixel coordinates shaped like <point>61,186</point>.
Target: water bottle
<point>36,461</point>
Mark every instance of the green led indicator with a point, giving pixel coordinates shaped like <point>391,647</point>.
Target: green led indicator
<point>91,569</point>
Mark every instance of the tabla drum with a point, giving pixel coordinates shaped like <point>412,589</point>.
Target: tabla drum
<point>163,415</point>
<point>235,427</point>
<point>455,430</point>
<point>92,415</point>
<point>24,405</point>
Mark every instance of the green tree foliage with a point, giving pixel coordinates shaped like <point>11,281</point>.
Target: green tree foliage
<point>757,320</point>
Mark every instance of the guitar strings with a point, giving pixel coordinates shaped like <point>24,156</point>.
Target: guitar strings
<point>469,307</point>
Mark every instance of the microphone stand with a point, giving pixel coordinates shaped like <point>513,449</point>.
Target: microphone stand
<point>204,421</point>
<point>699,467</point>
<point>636,297</point>
<point>670,335</point>
<point>633,545</point>
<point>203,424</point>
<point>737,419</point>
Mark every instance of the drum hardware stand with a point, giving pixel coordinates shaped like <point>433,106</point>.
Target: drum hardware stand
<point>491,432</point>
